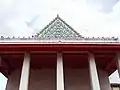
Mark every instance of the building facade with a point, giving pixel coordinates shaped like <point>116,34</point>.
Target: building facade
<point>59,58</point>
<point>115,86</point>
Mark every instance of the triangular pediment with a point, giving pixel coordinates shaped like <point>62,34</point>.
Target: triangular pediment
<point>58,30</point>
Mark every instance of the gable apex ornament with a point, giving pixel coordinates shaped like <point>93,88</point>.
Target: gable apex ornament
<point>57,15</point>
<point>58,30</point>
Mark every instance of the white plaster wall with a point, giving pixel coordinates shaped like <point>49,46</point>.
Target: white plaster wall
<point>115,88</point>
<point>45,79</point>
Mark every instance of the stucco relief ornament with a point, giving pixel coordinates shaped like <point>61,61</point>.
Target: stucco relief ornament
<point>58,30</point>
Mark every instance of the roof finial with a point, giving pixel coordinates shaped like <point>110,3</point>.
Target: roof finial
<point>57,15</point>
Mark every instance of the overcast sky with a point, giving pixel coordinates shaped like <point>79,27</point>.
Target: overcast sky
<point>88,17</point>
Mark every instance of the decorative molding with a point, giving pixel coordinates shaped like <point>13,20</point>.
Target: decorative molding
<point>67,38</point>
<point>58,30</point>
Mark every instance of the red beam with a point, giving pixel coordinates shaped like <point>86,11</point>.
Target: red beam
<point>58,47</point>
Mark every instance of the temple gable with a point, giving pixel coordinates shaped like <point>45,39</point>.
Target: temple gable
<point>58,30</point>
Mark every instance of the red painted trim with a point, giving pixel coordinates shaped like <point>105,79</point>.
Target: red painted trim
<point>62,47</point>
<point>57,47</point>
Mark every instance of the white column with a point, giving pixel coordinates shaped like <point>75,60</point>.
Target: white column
<point>118,63</point>
<point>24,80</point>
<point>60,74</point>
<point>93,73</point>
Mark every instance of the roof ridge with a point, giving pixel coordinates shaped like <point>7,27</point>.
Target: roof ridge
<point>36,38</point>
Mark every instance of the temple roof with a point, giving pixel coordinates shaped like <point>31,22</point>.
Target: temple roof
<point>59,31</point>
